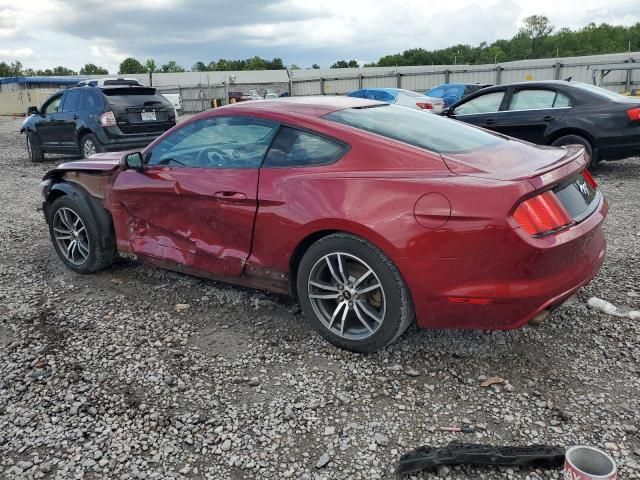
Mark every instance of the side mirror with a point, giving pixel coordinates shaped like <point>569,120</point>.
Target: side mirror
<point>134,161</point>
<point>32,110</point>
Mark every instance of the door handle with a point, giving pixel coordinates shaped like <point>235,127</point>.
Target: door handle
<point>75,117</point>
<point>490,121</point>
<point>548,118</point>
<point>230,196</point>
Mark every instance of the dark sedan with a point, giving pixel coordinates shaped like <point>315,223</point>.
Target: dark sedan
<point>557,113</point>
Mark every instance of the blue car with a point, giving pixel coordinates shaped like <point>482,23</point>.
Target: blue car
<point>400,96</point>
<point>454,92</point>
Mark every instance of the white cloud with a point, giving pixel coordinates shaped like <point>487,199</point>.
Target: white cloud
<point>17,54</point>
<point>75,32</point>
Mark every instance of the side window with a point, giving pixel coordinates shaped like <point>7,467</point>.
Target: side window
<point>215,142</point>
<point>70,103</point>
<point>538,100</point>
<point>487,103</point>
<point>91,100</point>
<point>296,148</point>
<point>53,106</point>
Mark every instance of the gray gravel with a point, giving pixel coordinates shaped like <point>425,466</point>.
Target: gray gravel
<point>101,376</point>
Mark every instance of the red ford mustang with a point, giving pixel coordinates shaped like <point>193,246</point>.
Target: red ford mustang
<point>370,214</point>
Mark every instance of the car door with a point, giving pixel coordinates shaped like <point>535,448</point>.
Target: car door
<point>481,110</point>
<point>45,123</point>
<point>65,125</point>
<point>532,112</point>
<point>195,202</point>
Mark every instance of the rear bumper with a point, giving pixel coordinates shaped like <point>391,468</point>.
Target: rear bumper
<point>625,144</point>
<point>113,139</point>
<point>509,282</point>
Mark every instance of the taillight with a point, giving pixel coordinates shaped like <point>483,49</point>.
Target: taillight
<point>589,179</point>
<point>107,119</point>
<point>424,105</point>
<point>634,114</point>
<point>542,214</point>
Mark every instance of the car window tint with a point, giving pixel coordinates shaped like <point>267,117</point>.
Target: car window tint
<point>92,100</point>
<point>217,142</point>
<point>53,106</point>
<point>436,92</point>
<point>408,125</point>
<point>296,148</point>
<point>70,103</point>
<point>487,103</point>
<point>537,99</point>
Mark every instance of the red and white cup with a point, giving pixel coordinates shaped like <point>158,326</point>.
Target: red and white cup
<point>589,463</point>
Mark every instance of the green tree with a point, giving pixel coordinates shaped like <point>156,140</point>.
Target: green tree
<point>345,64</point>
<point>315,66</point>
<point>61,71</point>
<point>199,67</point>
<point>131,65</point>
<point>171,67</point>
<point>150,65</point>
<point>91,69</point>
<point>535,27</point>
<point>293,66</point>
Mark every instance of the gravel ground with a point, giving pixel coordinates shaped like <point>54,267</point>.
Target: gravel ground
<point>106,376</point>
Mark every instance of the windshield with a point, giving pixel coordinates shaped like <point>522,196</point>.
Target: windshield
<point>601,92</point>
<point>424,130</point>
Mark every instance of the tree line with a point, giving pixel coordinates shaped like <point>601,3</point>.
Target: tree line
<point>537,38</point>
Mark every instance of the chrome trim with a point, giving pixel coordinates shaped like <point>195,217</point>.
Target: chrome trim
<point>509,111</point>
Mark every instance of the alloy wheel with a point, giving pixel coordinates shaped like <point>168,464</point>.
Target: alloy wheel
<point>347,296</point>
<point>88,148</point>
<point>71,236</point>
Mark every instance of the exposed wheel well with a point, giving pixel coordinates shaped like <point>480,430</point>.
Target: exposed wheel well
<point>299,252</point>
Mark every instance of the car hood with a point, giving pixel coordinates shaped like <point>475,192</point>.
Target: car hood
<point>512,160</point>
<point>100,162</point>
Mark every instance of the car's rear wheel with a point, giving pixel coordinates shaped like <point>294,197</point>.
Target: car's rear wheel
<point>33,148</point>
<point>353,294</point>
<point>578,140</point>
<point>90,145</point>
<point>76,236</point>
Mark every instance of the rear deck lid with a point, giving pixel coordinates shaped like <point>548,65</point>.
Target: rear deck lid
<point>515,160</point>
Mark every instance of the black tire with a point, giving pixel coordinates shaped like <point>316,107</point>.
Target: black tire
<point>90,143</point>
<point>578,140</point>
<point>97,256</point>
<point>395,312</point>
<point>33,148</point>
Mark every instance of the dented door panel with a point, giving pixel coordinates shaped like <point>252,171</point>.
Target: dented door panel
<point>195,217</point>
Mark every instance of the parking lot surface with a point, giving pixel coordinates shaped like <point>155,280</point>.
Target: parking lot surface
<point>136,372</point>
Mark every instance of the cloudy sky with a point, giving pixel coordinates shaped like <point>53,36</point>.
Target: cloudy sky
<point>46,33</point>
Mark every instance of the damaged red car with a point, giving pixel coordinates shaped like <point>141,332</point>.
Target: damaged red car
<point>371,215</point>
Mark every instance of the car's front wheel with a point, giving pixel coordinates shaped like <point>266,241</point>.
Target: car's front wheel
<point>90,145</point>
<point>76,236</point>
<point>353,294</point>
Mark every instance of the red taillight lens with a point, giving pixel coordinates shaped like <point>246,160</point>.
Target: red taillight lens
<point>107,119</point>
<point>589,179</point>
<point>634,114</point>
<point>541,214</point>
<point>425,106</point>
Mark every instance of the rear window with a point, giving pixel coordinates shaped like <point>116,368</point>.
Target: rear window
<point>599,91</point>
<point>121,82</point>
<point>126,97</point>
<point>424,130</point>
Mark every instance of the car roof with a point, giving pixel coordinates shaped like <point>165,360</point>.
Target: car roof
<point>309,106</point>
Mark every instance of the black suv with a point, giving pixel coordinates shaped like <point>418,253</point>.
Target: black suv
<point>88,119</point>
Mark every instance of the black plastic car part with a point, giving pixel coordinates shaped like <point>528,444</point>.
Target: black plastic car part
<point>456,453</point>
